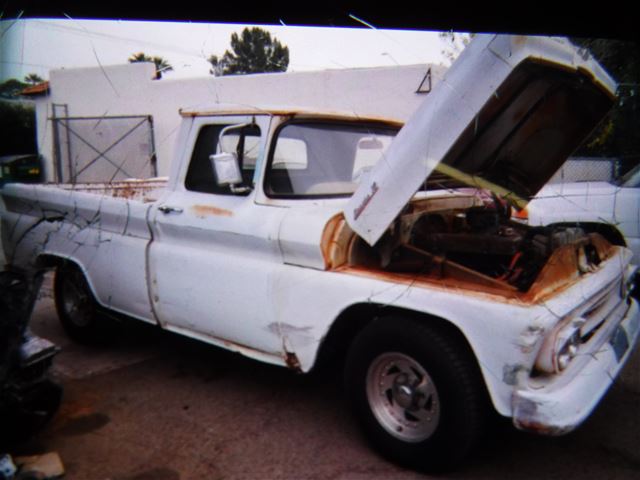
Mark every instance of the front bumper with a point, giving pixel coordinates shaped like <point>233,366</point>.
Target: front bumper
<point>561,405</point>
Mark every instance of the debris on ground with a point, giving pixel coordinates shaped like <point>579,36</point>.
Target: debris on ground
<point>47,466</point>
<point>7,467</point>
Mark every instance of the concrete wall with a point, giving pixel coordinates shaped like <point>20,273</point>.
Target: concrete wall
<point>131,90</point>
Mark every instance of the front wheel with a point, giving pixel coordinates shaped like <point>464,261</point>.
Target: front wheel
<point>417,392</point>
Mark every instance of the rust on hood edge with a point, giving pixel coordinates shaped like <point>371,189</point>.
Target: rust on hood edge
<point>335,241</point>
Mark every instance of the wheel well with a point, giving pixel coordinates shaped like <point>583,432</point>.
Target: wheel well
<point>350,322</point>
<point>52,262</point>
<point>47,262</point>
<point>608,231</point>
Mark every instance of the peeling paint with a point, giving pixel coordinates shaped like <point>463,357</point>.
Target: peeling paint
<point>512,373</point>
<point>530,338</point>
<point>293,336</point>
<point>292,362</point>
<point>147,190</point>
<point>526,416</point>
<point>284,329</point>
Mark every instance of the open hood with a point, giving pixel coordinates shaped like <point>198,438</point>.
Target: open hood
<point>505,117</point>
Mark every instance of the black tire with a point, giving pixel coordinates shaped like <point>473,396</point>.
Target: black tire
<point>635,292</point>
<point>417,392</point>
<point>77,308</point>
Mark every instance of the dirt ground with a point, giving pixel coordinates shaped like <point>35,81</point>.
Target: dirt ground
<point>156,406</point>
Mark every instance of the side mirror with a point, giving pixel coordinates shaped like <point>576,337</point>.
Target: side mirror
<point>226,168</point>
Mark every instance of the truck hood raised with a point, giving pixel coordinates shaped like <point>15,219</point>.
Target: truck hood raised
<point>505,117</point>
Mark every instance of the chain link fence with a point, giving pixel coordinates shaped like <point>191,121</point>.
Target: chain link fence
<point>587,169</point>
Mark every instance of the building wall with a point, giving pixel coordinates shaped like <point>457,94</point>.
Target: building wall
<point>131,90</point>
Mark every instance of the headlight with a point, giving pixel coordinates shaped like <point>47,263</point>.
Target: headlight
<point>567,351</point>
<point>559,349</point>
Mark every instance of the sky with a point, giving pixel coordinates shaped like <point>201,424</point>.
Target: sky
<point>38,45</point>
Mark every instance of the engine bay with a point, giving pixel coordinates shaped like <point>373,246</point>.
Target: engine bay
<point>475,243</point>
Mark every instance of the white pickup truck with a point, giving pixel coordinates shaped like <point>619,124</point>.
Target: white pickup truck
<point>295,237</point>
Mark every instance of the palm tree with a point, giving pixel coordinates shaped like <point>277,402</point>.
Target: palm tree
<point>33,79</point>
<point>161,64</point>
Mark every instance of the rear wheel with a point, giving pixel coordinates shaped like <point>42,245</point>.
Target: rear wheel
<point>77,308</point>
<point>417,392</point>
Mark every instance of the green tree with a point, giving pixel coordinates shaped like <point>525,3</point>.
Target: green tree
<point>18,127</point>
<point>33,79</point>
<point>618,135</point>
<point>161,64</point>
<point>254,51</point>
<point>454,43</point>
<point>11,88</point>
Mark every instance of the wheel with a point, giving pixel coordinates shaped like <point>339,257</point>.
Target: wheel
<point>77,308</point>
<point>417,393</point>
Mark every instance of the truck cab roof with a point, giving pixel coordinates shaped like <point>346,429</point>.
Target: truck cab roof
<point>219,109</point>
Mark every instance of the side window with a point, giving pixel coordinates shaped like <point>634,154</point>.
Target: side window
<point>246,143</point>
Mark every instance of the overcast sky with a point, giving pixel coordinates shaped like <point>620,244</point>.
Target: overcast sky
<point>38,45</point>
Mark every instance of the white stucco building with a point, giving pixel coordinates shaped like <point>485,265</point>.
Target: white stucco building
<point>98,106</point>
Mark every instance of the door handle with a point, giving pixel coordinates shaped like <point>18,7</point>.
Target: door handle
<point>166,209</point>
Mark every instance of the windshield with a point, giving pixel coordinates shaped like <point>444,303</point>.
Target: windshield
<point>314,159</point>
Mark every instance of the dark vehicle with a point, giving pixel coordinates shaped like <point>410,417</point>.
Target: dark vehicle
<point>26,168</point>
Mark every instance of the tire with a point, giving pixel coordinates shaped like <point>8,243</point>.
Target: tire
<point>77,308</point>
<point>417,392</point>
<point>635,292</point>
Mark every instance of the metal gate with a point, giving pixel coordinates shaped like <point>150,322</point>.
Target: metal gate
<point>102,149</point>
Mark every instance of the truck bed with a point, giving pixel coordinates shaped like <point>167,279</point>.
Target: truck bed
<point>101,226</point>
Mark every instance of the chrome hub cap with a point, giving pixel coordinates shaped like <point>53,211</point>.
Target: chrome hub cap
<point>402,397</point>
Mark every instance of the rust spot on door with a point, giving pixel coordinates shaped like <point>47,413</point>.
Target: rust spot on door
<point>210,210</point>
